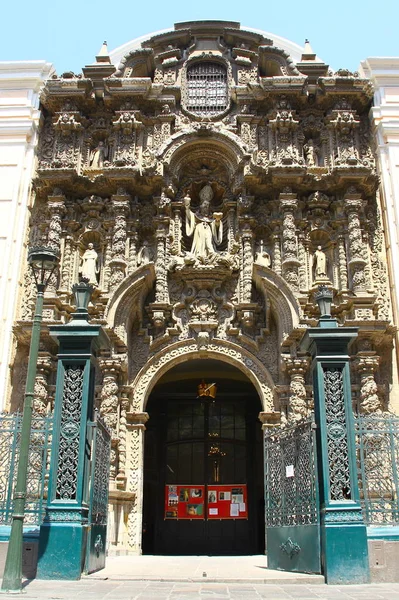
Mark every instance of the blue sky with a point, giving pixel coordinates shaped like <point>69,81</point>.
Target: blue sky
<point>69,33</point>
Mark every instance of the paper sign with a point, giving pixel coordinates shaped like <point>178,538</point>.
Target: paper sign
<point>289,471</point>
<point>213,511</point>
<point>224,495</point>
<point>234,510</point>
<point>242,507</point>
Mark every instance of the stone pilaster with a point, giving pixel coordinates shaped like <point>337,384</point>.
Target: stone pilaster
<point>288,205</point>
<point>357,261</point>
<point>135,466</point>
<point>297,402</point>
<point>366,364</point>
<point>109,405</point>
<point>41,398</point>
<point>120,206</point>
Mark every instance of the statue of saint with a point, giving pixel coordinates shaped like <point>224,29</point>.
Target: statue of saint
<point>311,153</point>
<point>262,257</point>
<point>206,229</point>
<point>320,269</point>
<point>98,155</point>
<point>89,264</point>
<point>145,254</point>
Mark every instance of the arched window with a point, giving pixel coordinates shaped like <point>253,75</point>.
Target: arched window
<point>207,88</point>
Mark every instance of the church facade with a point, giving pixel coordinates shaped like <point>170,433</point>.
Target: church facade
<point>207,181</point>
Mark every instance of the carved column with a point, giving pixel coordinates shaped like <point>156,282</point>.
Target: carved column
<point>230,226</point>
<point>247,267</point>
<point>160,264</point>
<point>132,251</point>
<point>56,206</point>
<point>124,407</point>
<point>297,402</point>
<point>366,364</point>
<point>277,254</point>
<point>303,269</point>
<point>135,464</point>
<point>109,405</point>
<point>67,265</point>
<point>107,264</point>
<point>120,206</point>
<point>41,398</point>
<point>357,262</point>
<point>177,227</point>
<point>343,266</point>
<point>288,204</point>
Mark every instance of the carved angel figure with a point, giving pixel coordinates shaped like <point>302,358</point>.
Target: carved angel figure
<point>206,229</point>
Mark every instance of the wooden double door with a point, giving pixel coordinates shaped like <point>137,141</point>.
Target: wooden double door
<point>203,477</point>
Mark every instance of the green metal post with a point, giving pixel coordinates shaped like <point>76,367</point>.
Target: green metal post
<point>343,531</point>
<point>64,532</point>
<point>12,578</point>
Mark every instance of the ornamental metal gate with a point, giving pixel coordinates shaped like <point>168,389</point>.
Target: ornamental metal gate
<point>38,465</point>
<point>291,498</point>
<point>99,438</point>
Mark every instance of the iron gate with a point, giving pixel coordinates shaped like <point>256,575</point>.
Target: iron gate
<point>38,465</point>
<point>100,438</point>
<point>291,497</point>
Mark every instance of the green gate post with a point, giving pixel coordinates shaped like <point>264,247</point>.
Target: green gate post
<point>63,534</point>
<point>343,532</point>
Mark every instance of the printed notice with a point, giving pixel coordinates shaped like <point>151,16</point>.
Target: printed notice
<point>234,510</point>
<point>213,511</point>
<point>224,495</point>
<point>289,471</point>
<point>242,507</point>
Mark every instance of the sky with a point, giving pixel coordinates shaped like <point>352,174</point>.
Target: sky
<point>69,33</point>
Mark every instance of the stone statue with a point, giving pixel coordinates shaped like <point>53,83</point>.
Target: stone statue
<point>206,229</point>
<point>262,257</point>
<point>89,267</point>
<point>145,254</point>
<point>311,153</point>
<point>98,155</point>
<point>320,261</point>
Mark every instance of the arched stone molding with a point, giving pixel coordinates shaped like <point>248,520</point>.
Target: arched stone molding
<point>222,350</point>
<point>127,301</point>
<point>282,300</point>
<point>179,148</point>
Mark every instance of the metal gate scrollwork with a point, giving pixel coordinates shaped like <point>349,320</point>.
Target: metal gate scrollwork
<point>99,486</point>
<point>291,496</point>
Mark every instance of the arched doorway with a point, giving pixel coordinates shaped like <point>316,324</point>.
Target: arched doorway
<point>203,467</point>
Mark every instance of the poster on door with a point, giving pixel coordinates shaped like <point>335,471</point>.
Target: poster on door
<point>227,501</point>
<point>206,502</point>
<point>184,502</point>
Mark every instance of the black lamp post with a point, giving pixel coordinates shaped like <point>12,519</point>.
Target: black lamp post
<point>43,261</point>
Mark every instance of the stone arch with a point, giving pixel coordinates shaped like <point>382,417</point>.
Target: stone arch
<point>221,350</point>
<point>226,147</point>
<point>282,300</point>
<point>127,301</point>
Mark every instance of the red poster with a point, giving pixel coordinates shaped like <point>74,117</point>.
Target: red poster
<point>227,501</point>
<point>184,502</point>
<point>206,502</point>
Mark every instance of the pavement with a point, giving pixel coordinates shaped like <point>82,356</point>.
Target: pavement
<point>199,578</point>
<point>90,589</point>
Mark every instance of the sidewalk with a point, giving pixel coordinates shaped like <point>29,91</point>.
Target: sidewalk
<point>90,589</point>
<point>199,578</point>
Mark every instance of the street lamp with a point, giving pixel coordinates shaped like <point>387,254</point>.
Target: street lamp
<point>43,261</point>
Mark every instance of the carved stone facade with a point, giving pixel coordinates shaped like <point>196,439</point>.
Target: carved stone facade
<point>206,225</point>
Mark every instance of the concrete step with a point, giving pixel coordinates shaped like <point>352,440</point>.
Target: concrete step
<point>199,569</point>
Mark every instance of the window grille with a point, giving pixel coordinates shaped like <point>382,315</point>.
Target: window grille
<point>207,88</point>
